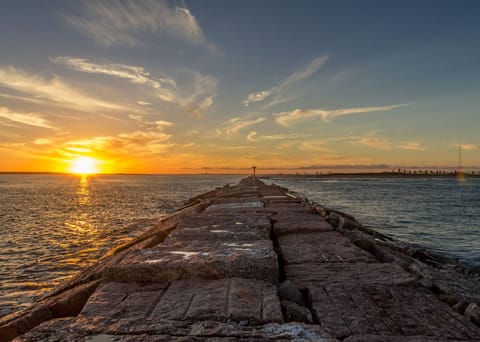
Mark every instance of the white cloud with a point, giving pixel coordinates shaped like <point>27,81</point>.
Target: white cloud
<point>376,142</point>
<point>469,147</point>
<point>136,117</point>
<point>412,146</point>
<point>144,103</point>
<point>43,141</point>
<point>132,143</point>
<point>52,90</point>
<point>30,119</point>
<point>161,124</point>
<point>252,136</point>
<point>287,118</point>
<point>134,74</point>
<point>122,22</point>
<point>234,125</point>
<point>257,97</point>
<point>195,96</point>
<point>313,146</point>
<point>295,77</point>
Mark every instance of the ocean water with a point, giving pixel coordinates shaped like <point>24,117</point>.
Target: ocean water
<point>441,214</point>
<point>52,226</point>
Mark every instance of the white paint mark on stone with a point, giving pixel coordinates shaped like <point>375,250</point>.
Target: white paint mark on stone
<point>155,261</point>
<point>187,255</point>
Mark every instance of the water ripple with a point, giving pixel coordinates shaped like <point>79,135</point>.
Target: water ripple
<point>52,226</point>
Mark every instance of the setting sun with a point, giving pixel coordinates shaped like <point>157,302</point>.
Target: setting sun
<point>84,165</point>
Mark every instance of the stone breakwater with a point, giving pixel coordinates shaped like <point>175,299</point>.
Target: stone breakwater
<point>255,262</point>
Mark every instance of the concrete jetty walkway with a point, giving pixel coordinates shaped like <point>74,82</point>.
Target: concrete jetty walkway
<point>255,262</point>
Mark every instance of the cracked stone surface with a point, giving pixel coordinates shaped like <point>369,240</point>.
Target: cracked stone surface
<point>361,273</point>
<point>293,223</point>
<point>321,248</point>
<point>345,310</point>
<point>166,263</point>
<point>232,299</point>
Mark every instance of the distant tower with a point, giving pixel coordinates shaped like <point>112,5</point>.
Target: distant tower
<point>460,154</point>
<point>254,167</point>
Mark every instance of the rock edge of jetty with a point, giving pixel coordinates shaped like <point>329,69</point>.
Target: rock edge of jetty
<point>257,262</point>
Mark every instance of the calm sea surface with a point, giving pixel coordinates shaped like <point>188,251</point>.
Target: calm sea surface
<point>52,226</point>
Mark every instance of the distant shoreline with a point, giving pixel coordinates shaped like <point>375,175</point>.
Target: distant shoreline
<point>276,175</point>
<point>373,175</point>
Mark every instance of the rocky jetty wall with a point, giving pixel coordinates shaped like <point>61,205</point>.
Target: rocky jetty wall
<point>256,262</point>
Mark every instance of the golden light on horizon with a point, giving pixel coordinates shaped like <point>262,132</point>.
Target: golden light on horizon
<point>84,166</point>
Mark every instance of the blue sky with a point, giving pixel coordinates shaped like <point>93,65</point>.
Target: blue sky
<point>174,86</point>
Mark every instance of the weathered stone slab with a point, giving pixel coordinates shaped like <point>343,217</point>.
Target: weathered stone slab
<point>215,219</point>
<point>361,273</point>
<point>222,228</point>
<point>272,191</point>
<point>300,223</point>
<point>384,338</point>
<point>320,248</point>
<point>116,300</point>
<point>218,234</point>
<point>235,205</point>
<point>78,329</point>
<point>255,302</point>
<point>241,198</point>
<point>349,310</point>
<point>278,197</point>
<point>274,200</point>
<point>166,263</point>
<point>246,300</point>
<point>288,207</point>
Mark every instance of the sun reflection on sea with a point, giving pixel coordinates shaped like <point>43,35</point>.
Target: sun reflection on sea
<point>83,190</point>
<point>80,228</point>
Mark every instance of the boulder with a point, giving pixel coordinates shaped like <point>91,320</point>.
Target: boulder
<point>472,312</point>
<point>460,307</point>
<point>296,313</point>
<point>289,292</point>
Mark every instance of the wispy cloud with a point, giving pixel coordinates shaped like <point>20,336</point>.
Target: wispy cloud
<point>161,124</point>
<point>234,125</point>
<point>149,125</point>
<point>252,136</point>
<point>376,142</point>
<point>30,119</point>
<point>51,90</point>
<point>314,146</point>
<point>194,95</point>
<point>122,22</point>
<point>467,147</point>
<point>136,143</point>
<point>287,118</point>
<point>295,77</point>
<point>134,74</point>
<point>43,141</point>
<point>144,103</point>
<point>412,146</point>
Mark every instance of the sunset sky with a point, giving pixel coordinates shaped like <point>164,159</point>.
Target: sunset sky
<point>179,86</point>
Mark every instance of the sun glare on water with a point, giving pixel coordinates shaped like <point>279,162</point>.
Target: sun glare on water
<point>84,166</point>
